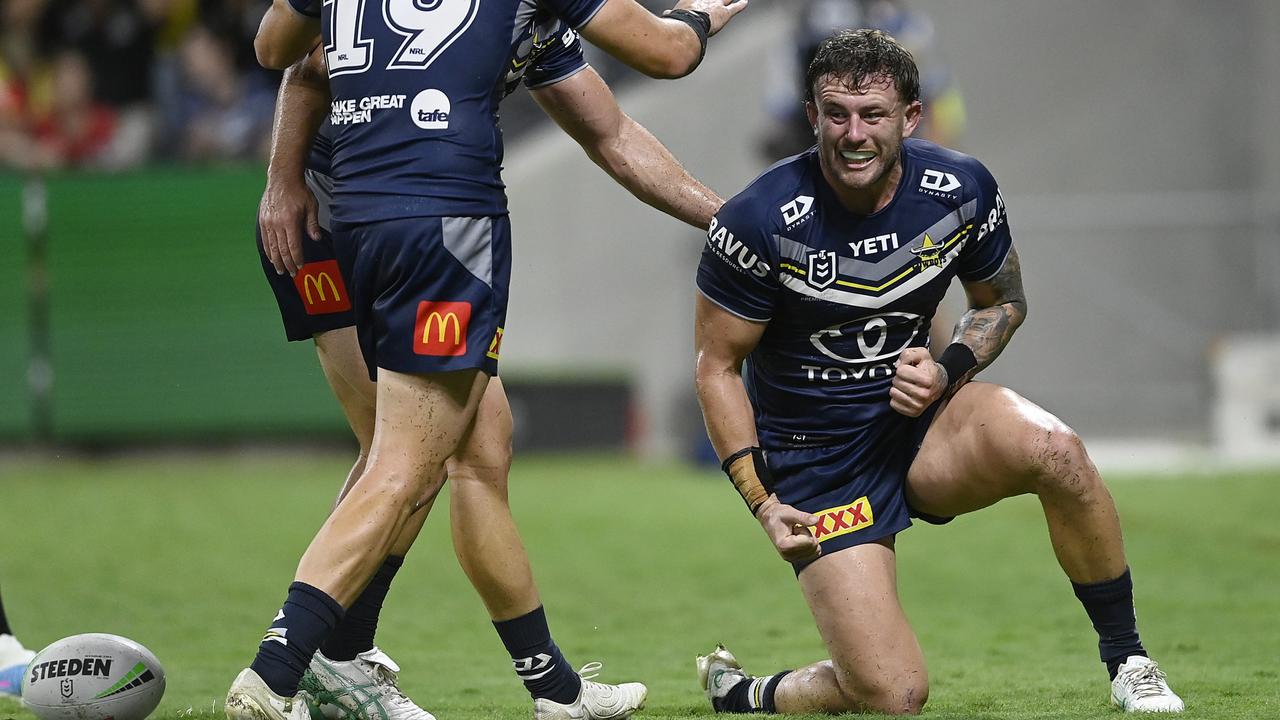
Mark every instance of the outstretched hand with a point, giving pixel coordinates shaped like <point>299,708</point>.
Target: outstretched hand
<point>788,529</point>
<point>720,11</point>
<point>287,208</point>
<point>917,383</point>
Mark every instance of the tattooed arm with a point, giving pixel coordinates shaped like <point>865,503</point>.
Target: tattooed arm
<point>997,306</point>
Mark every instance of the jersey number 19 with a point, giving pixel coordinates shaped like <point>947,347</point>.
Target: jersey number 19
<point>427,32</point>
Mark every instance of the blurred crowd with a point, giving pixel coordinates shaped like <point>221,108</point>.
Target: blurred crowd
<point>111,84</point>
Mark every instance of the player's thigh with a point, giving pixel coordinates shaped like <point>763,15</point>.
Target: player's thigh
<point>853,596</point>
<point>978,451</point>
<point>487,447</point>
<point>344,368</point>
<point>421,419</point>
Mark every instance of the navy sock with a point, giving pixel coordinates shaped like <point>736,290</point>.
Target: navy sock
<point>286,650</point>
<point>537,660</point>
<point>4,621</point>
<point>1110,608</point>
<point>354,634</point>
<point>753,695</point>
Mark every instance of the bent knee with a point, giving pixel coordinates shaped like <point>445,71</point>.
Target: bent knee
<point>408,489</point>
<point>1058,462</point>
<point>905,695</point>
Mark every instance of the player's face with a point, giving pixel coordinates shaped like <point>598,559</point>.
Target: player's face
<point>860,136</point>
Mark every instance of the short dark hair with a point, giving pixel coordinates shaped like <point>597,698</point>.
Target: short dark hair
<point>865,56</point>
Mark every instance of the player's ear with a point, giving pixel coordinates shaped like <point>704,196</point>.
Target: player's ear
<point>811,110</point>
<point>915,110</point>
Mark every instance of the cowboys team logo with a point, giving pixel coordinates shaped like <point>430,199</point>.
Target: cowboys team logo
<point>822,269</point>
<point>929,252</point>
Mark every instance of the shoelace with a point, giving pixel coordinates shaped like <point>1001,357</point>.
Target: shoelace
<point>389,682</point>
<point>1146,681</point>
<point>590,671</point>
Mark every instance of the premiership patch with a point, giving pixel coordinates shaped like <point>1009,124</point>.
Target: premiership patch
<point>321,288</point>
<point>441,328</point>
<point>842,520</point>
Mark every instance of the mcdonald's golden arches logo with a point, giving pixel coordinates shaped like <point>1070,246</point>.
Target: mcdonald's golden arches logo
<point>441,329</point>
<point>321,288</point>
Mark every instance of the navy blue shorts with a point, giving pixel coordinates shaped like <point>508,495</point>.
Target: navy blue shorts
<point>315,300</point>
<point>429,293</point>
<point>855,487</point>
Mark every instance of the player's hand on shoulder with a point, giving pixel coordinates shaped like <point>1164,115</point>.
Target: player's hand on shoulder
<point>287,210</point>
<point>788,529</point>
<point>917,383</point>
<point>720,11</point>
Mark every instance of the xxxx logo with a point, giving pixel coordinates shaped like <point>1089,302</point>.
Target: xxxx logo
<point>843,520</point>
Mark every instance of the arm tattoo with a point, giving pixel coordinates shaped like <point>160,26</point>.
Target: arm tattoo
<point>997,306</point>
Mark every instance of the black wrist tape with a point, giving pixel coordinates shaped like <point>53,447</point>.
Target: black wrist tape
<point>701,24</point>
<point>960,362</point>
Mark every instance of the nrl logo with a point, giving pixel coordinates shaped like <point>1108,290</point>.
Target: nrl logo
<point>822,269</point>
<point>930,253</point>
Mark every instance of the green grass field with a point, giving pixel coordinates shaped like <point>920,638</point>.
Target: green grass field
<point>641,567</point>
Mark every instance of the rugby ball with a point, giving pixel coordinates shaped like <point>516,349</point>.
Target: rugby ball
<point>94,676</point>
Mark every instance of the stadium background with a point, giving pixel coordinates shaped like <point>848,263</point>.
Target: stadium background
<point>1135,145</point>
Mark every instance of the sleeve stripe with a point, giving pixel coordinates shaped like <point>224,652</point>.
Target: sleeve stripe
<point>730,310</point>
<point>599,6</point>
<point>558,78</point>
<point>999,267</point>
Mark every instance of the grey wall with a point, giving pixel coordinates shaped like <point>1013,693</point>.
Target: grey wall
<point>1136,146</point>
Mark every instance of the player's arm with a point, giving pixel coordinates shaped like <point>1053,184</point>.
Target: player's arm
<point>289,30</point>
<point>670,46</point>
<point>722,341</point>
<point>997,306</point>
<point>287,206</point>
<point>583,107</point>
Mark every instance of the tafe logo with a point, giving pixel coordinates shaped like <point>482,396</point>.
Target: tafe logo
<point>939,181</point>
<point>430,110</point>
<point>796,209</point>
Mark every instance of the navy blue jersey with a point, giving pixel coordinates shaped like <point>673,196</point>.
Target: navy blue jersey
<point>845,294</point>
<point>544,51</point>
<point>413,122</point>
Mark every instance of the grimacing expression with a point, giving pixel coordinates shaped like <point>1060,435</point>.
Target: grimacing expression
<point>860,130</point>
